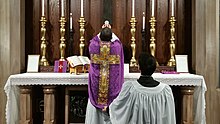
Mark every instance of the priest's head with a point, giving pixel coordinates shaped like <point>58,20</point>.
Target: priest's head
<point>147,64</point>
<point>106,34</point>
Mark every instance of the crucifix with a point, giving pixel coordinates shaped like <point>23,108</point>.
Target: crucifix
<point>104,59</point>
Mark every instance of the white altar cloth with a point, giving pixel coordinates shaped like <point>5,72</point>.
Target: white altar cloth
<point>12,90</point>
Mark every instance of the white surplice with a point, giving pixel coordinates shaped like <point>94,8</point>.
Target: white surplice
<point>143,105</point>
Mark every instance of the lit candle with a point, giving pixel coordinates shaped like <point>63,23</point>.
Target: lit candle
<point>42,7</point>
<point>132,13</point>
<point>143,20</point>
<point>81,8</point>
<point>62,8</point>
<point>152,8</point>
<point>71,21</point>
<point>172,5</point>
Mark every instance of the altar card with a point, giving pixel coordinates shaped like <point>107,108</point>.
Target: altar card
<point>126,68</point>
<point>33,63</point>
<point>181,63</point>
<point>60,66</point>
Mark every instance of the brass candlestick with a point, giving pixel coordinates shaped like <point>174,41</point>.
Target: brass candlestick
<point>152,33</point>
<point>152,39</point>
<point>133,61</point>
<point>82,33</point>
<point>43,46</point>
<point>62,38</point>
<point>172,62</point>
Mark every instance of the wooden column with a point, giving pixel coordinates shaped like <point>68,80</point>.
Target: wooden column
<point>49,104</point>
<point>67,105</point>
<point>26,105</point>
<point>187,105</point>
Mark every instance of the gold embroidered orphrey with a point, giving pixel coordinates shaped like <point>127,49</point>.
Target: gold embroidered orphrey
<point>104,59</point>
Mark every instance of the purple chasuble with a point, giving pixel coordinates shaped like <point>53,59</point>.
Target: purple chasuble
<point>116,73</point>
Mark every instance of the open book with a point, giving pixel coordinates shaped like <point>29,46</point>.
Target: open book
<point>78,60</point>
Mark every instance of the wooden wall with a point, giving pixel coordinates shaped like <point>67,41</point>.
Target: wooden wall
<point>12,44</point>
<point>121,14</point>
<point>206,53</point>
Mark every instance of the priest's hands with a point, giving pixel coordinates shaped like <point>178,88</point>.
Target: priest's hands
<point>106,24</point>
<point>104,109</point>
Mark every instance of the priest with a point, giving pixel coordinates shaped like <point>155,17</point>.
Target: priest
<point>145,101</point>
<point>106,75</point>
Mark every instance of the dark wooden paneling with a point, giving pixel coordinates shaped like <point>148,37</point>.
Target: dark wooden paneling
<point>121,11</point>
<point>162,31</point>
<point>53,31</point>
<point>36,27</point>
<point>121,14</point>
<point>188,32</point>
<point>28,28</point>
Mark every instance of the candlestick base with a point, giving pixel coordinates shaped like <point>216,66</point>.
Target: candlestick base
<point>171,62</point>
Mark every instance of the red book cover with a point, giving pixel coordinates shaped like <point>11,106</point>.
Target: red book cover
<point>60,66</point>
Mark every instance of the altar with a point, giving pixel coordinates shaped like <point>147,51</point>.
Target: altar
<point>18,89</point>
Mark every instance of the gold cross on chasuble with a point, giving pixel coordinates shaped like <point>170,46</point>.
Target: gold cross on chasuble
<point>104,59</point>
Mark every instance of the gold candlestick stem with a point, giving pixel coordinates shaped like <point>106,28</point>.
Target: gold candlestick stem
<point>43,46</point>
<point>62,38</point>
<point>152,39</point>
<point>133,61</point>
<point>82,33</point>
<point>152,33</point>
<point>172,62</point>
